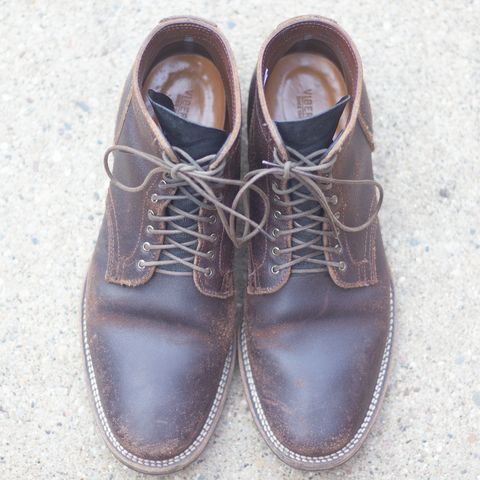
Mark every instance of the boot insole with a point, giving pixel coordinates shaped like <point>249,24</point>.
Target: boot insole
<point>302,85</point>
<point>195,86</point>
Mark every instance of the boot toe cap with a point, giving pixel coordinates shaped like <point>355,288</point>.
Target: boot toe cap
<point>156,395</point>
<point>318,399</point>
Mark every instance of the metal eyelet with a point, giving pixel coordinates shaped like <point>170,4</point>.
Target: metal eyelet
<point>276,198</point>
<point>337,215</point>
<point>166,176</point>
<point>275,232</point>
<point>149,229</point>
<point>213,237</point>
<point>154,198</point>
<point>338,248</point>
<point>334,200</point>
<point>146,246</point>
<point>275,251</point>
<point>275,270</point>
<point>342,266</point>
<point>212,219</point>
<point>208,272</point>
<point>328,186</point>
<point>277,214</point>
<point>141,264</point>
<point>211,254</point>
<point>275,186</point>
<point>151,213</point>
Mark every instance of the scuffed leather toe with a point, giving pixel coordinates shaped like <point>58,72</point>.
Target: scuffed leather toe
<point>149,407</point>
<point>316,382</point>
<point>315,371</point>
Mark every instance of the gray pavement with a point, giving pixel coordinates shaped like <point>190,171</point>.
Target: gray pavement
<point>62,67</point>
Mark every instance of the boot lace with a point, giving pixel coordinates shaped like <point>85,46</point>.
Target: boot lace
<point>305,193</point>
<point>195,190</point>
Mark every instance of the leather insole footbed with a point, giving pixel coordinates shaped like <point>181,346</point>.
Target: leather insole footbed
<point>195,86</point>
<point>302,85</point>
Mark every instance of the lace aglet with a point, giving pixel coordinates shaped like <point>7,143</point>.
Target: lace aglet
<point>270,164</point>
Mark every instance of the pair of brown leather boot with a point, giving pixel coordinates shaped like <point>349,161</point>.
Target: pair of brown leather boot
<point>158,316</point>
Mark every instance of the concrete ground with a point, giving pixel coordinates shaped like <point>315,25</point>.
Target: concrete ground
<point>62,67</point>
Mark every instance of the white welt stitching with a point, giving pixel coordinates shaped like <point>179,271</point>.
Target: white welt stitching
<point>363,427</point>
<point>106,427</point>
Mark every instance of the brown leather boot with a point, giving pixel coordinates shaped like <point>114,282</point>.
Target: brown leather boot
<point>158,308</point>
<point>317,333</point>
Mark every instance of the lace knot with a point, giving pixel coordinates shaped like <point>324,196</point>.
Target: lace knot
<point>180,168</point>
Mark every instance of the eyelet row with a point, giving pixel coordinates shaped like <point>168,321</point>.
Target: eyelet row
<point>146,246</point>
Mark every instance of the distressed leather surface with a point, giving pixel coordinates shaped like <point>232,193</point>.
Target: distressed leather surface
<point>159,343</point>
<point>315,342</point>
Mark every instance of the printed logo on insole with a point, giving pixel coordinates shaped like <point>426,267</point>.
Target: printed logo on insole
<point>305,104</point>
<point>183,102</point>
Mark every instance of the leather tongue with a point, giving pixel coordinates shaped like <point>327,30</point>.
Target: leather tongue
<point>197,140</point>
<point>313,133</point>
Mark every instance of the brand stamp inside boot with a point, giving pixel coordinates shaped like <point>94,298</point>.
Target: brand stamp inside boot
<point>302,85</point>
<point>194,85</point>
